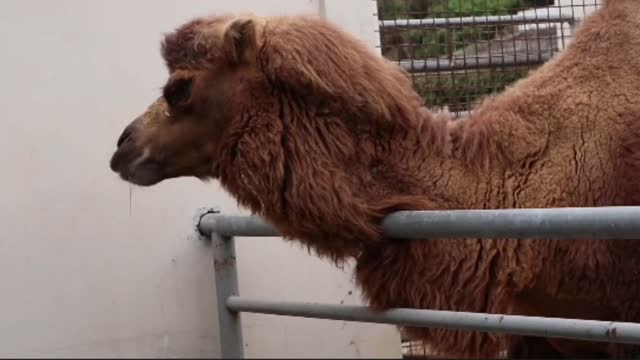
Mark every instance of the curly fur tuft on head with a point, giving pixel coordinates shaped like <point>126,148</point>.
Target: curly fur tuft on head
<point>193,45</point>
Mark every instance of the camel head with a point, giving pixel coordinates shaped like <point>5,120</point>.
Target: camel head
<point>180,134</point>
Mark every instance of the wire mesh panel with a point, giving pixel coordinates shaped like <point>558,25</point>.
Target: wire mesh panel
<point>459,51</point>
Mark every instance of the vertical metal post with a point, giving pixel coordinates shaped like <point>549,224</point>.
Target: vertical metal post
<point>224,254</point>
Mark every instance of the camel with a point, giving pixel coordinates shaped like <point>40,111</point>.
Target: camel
<point>307,127</point>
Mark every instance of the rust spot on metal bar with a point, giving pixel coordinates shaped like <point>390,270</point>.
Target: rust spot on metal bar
<point>224,264</point>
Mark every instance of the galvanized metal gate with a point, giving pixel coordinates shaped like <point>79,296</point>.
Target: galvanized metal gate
<point>560,223</point>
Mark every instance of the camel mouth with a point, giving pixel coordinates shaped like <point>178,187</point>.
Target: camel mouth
<point>146,174</point>
<point>137,169</point>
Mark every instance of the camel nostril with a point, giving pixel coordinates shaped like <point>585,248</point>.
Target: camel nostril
<point>124,136</point>
<point>128,131</point>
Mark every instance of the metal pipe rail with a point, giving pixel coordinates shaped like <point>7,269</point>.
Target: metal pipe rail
<point>561,223</point>
<point>436,65</point>
<point>618,222</point>
<point>590,330</point>
<point>477,20</point>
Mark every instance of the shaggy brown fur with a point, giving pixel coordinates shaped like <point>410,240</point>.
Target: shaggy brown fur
<point>308,128</point>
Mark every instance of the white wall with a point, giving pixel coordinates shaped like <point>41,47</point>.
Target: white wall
<point>91,266</point>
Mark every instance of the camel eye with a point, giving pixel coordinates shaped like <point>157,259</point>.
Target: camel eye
<point>178,92</point>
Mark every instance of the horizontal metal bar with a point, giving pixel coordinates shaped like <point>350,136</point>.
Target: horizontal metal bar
<point>437,65</point>
<point>622,222</point>
<point>541,17</point>
<point>235,225</point>
<point>591,330</point>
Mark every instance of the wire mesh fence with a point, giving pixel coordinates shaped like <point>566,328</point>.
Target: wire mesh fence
<point>460,51</point>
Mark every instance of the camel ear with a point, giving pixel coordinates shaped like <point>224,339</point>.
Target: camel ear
<point>240,40</point>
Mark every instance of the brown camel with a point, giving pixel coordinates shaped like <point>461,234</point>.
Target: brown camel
<point>307,127</point>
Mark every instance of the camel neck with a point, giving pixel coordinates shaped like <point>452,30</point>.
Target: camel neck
<point>429,163</point>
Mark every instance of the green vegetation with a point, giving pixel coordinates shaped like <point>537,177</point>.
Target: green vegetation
<point>389,9</point>
<point>456,89</point>
<point>462,89</point>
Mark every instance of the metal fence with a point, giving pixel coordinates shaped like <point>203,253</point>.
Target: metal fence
<point>459,51</point>
<point>559,223</point>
